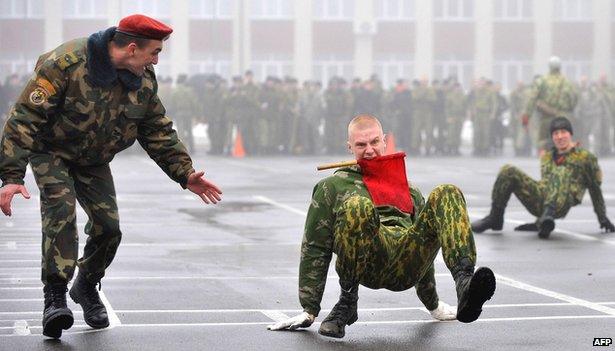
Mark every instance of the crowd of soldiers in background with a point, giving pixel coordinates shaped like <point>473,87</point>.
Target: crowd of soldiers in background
<point>280,116</point>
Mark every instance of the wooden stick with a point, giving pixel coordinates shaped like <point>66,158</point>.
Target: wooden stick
<point>336,165</point>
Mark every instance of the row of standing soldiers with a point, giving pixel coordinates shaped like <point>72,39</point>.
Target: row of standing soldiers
<point>280,117</point>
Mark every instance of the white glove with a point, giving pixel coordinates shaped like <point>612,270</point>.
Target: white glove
<point>302,320</point>
<point>444,312</point>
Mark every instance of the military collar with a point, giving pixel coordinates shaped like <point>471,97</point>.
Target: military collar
<point>101,72</point>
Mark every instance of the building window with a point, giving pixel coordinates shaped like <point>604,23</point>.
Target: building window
<point>21,9</point>
<point>575,69</point>
<point>513,10</point>
<point>391,10</point>
<point>211,9</point>
<point>572,10</point>
<point>153,8</point>
<point>326,67</point>
<point>271,9</point>
<point>277,65</point>
<point>392,67</point>
<point>463,71</point>
<point>454,9</point>
<point>84,9</point>
<point>333,10</point>
<point>509,73</point>
<point>212,64</point>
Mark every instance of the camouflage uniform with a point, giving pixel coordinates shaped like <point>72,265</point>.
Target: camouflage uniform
<point>552,96</point>
<point>380,247</point>
<point>521,138</point>
<point>338,105</point>
<point>483,103</point>
<point>423,100</point>
<point>602,126</point>
<point>561,186</point>
<point>455,108</point>
<point>69,130</point>
<point>184,107</point>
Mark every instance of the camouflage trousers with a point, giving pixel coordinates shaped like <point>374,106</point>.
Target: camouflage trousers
<point>61,185</point>
<point>397,257</point>
<point>422,123</point>
<point>534,195</point>
<point>481,125</point>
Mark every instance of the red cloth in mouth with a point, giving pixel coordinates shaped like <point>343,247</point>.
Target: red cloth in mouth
<point>386,181</point>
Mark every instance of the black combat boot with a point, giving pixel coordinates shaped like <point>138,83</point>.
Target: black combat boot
<point>546,223</point>
<point>84,293</point>
<point>56,316</point>
<point>527,227</point>
<point>473,289</point>
<point>494,220</point>
<point>343,313</point>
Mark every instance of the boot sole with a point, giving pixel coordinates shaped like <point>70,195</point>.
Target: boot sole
<point>546,228</point>
<point>482,287</point>
<point>73,296</point>
<point>61,320</point>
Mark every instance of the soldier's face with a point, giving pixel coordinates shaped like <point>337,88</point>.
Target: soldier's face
<point>139,58</point>
<point>366,143</point>
<point>562,139</point>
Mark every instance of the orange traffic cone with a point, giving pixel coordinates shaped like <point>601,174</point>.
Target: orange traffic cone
<point>238,150</point>
<point>390,140</point>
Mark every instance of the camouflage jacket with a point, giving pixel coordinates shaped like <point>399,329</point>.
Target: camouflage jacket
<point>584,173</point>
<point>552,94</point>
<point>317,246</point>
<point>60,112</point>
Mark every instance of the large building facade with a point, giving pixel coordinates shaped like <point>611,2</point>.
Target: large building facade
<point>505,40</point>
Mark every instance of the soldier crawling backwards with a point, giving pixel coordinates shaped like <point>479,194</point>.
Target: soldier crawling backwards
<point>381,246</point>
<point>88,100</point>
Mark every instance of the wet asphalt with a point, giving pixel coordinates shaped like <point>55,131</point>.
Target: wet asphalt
<point>190,276</point>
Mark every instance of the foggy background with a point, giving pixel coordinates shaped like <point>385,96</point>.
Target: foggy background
<point>373,42</point>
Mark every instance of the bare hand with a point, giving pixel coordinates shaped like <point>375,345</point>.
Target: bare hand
<point>206,190</point>
<point>6,196</point>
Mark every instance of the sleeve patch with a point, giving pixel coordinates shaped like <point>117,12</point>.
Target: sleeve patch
<point>38,96</point>
<point>67,60</point>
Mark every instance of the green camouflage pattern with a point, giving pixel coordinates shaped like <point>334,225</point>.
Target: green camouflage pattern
<point>61,184</point>
<point>61,114</point>
<point>551,96</point>
<point>380,247</point>
<point>562,186</point>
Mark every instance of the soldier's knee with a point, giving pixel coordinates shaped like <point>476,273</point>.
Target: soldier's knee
<point>508,170</point>
<point>444,190</point>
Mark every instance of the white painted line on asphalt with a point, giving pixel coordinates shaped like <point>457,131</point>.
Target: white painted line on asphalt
<point>194,277</point>
<point>114,320</point>
<point>275,315</point>
<point>280,205</point>
<point>531,288</point>
<point>584,237</point>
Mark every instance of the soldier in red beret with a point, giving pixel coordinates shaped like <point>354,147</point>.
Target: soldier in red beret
<point>89,99</point>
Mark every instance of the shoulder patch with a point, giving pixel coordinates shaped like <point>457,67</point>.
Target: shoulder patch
<point>67,60</point>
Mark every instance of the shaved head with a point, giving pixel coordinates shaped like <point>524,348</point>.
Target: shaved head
<point>362,122</point>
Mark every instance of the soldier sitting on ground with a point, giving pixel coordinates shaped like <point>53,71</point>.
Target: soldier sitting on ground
<point>383,246</point>
<point>566,172</point>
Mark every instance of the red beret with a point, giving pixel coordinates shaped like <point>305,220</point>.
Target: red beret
<point>144,27</point>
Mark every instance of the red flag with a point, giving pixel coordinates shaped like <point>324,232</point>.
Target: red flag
<point>385,179</point>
